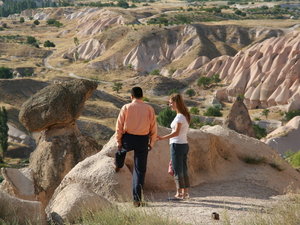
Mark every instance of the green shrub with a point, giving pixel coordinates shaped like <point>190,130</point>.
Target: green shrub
<point>49,44</point>
<point>36,22</point>
<point>194,110</point>
<point>117,86</point>
<point>203,81</point>
<point>54,22</point>
<point>190,92</point>
<point>294,159</point>
<point>1,179</point>
<point>155,72</point>
<point>165,117</point>
<point>32,41</point>
<point>173,91</point>
<point>213,111</point>
<point>265,113</point>
<point>22,20</point>
<point>145,99</point>
<point>291,114</point>
<point>259,131</point>
<point>196,123</point>
<point>5,73</point>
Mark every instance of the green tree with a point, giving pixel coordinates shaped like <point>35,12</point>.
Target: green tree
<point>22,20</point>
<point>76,41</point>
<point>213,111</point>
<point>32,41</point>
<point>215,78</point>
<point>259,131</point>
<point>204,82</point>
<point>5,73</point>
<point>291,114</point>
<point>3,133</point>
<point>155,72</point>
<point>165,117</point>
<point>49,44</point>
<point>36,22</point>
<point>190,92</point>
<point>194,110</point>
<point>265,113</point>
<point>117,86</point>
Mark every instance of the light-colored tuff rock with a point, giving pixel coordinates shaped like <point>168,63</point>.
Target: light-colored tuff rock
<point>95,22</point>
<point>239,120</point>
<point>18,136</point>
<point>161,48</point>
<point>216,154</point>
<point>88,50</point>
<point>18,183</point>
<point>286,138</point>
<point>73,201</point>
<point>59,149</point>
<point>267,73</point>
<point>14,210</point>
<point>40,111</point>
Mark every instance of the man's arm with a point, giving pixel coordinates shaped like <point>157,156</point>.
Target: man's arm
<point>153,128</point>
<point>120,127</point>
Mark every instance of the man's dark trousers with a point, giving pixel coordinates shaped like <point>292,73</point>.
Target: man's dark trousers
<point>138,143</point>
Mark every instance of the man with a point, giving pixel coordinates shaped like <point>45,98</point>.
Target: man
<point>136,130</point>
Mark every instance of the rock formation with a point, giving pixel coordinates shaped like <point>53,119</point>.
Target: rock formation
<point>161,48</point>
<point>285,138</point>
<point>216,154</point>
<point>53,111</point>
<point>267,73</point>
<point>239,120</point>
<point>88,50</point>
<point>13,210</point>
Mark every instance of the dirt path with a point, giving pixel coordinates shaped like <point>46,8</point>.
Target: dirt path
<point>232,200</point>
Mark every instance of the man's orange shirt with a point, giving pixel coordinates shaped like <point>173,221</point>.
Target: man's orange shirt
<point>137,118</point>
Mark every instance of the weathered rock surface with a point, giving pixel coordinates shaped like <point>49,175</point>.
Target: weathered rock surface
<point>19,211</point>
<point>239,120</point>
<point>56,104</point>
<point>73,201</point>
<point>88,50</point>
<point>59,149</point>
<point>216,154</point>
<point>285,138</point>
<point>18,183</point>
<point>267,73</point>
<point>161,48</point>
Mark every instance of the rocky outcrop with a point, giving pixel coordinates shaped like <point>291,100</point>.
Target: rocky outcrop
<point>161,48</point>
<point>88,50</point>
<point>286,138</point>
<point>18,136</point>
<point>53,111</point>
<point>267,73</point>
<point>19,211</point>
<point>73,201</point>
<point>95,22</point>
<point>239,120</point>
<point>157,84</point>
<point>216,154</point>
<point>40,111</point>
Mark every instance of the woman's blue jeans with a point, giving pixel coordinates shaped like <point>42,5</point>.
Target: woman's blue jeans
<point>179,154</point>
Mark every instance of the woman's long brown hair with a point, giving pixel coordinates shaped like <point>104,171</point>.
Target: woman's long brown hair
<point>181,106</point>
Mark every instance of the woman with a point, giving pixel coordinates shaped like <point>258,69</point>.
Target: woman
<point>178,145</point>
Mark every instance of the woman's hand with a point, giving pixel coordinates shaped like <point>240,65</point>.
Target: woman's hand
<point>159,138</point>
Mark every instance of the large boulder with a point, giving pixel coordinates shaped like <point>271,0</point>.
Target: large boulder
<point>239,120</point>
<point>17,211</point>
<point>75,200</point>
<point>56,104</point>
<point>59,150</point>
<point>216,154</point>
<point>286,138</point>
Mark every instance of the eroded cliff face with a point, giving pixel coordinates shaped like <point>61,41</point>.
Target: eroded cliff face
<point>267,73</point>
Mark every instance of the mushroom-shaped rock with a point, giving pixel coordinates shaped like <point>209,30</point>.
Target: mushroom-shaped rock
<point>56,104</point>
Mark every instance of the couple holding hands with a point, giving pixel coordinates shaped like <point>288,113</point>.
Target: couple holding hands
<point>136,130</point>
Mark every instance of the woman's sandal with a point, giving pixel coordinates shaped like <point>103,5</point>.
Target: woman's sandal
<point>178,196</point>
<point>185,196</point>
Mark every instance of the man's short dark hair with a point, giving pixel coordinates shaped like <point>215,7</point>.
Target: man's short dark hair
<point>137,92</point>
